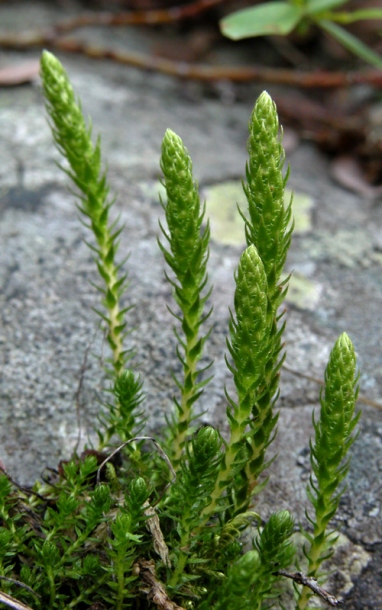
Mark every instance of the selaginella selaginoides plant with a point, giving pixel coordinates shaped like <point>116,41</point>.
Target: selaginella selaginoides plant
<point>122,527</point>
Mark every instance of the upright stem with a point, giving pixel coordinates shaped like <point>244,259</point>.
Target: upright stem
<point>333,439</point>
<point>268,226</point>
<point>120,581</point>
<point>73,139</point>
<point>248,346</point>
<point>187,255</point>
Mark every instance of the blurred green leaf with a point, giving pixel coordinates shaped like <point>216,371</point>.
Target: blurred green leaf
<point>278,18</point>
<point>318,6</point>
<point>367,13</point>
<point>352,43</point>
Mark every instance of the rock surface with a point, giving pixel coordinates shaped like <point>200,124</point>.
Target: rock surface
<point>47,322</point>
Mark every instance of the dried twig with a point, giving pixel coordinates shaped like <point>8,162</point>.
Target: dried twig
<point>26,490</point>
<point>20,584</point>
<point>312,583</point>
<point>11,602</point>
<point>107,18</point>
<point>209,73</point>
<point>132,440</point>
<point>192,71</point>
<point>149,17</point>
<point>28,513</point>
<point>156,591</point>
<point>153,525</point>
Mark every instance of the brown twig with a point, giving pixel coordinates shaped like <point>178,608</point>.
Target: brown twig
<point>208,73</point>
<point>26,490</point>
<point>312,583</point>
<point>153,525</point>
<point>20,584</point>
<point>107,18</point>
<point>193,71</point>
<point>156,591</point>
<point>11,602</point>
<point>149,17</point>
<point>132,440</point>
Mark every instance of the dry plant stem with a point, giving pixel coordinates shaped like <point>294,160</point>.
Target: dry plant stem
<point>240,74</point>
<point>149,17</point>
<point>51,38</point>
<point>159,543</point>
<point>11,602</point>
<point>200,72</point>
<point>20,584</point>
<point>106,18</point>
<point>132,440</point>
<point>156,591</point>
<point>312,584</point>
<point>25,490</point>
<point>153,524</point>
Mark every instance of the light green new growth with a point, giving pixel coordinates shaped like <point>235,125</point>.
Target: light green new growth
<point>248,345</point>
<point>268,227</point>
<point>73,139</point>
<point>191,493</point>
<point>269,223</point>
<point>113,529</point>
<point>333,438</point>
<point>187,255</point>
<point>255,339</point>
